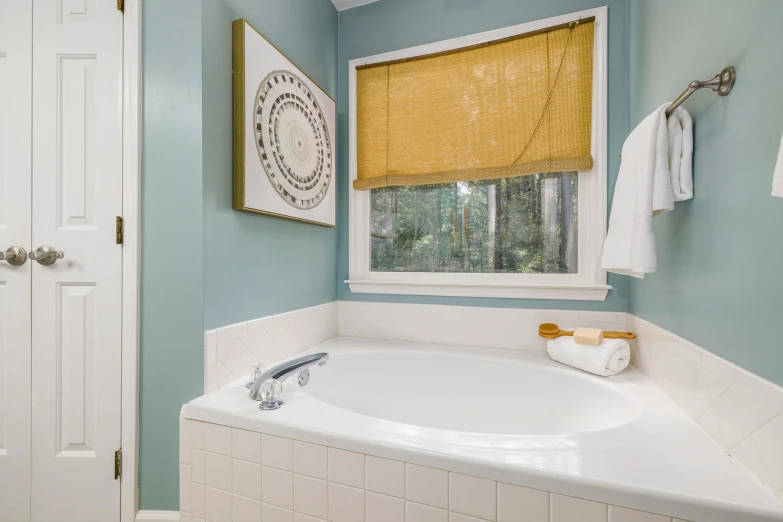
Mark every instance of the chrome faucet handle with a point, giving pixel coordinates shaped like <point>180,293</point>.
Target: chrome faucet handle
<point>46,255</point>
<point>255,372</point>
<point>270,395</point>
<point>15,256</point>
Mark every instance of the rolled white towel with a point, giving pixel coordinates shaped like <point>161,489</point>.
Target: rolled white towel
<point>609,358</point>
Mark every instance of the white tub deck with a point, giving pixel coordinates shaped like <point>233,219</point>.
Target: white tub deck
<point>513,417</point>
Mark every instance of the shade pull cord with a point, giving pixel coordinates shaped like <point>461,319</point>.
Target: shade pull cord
<point>571,27</point>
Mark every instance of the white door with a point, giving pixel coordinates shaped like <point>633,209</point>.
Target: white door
<point>76,301</point>
<point>15,90</point>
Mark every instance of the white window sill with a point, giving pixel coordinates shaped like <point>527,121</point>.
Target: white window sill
<point>566,292</point>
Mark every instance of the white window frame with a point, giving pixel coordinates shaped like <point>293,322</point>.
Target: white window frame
<point>589,284</point>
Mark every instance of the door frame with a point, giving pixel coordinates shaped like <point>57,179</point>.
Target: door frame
<point>131,254</point>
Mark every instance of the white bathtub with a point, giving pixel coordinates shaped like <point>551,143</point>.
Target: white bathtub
<point>517,419</point>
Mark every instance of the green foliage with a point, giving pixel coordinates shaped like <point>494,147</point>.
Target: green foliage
<point>521,225</point>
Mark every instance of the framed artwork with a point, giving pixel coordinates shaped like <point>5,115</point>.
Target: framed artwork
<point>284,130</point>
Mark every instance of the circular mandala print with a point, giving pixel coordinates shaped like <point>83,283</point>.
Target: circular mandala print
<point>293,140</point>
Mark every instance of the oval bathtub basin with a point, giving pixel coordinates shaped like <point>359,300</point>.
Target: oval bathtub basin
<point>513,417</point>
<point>469,392</point>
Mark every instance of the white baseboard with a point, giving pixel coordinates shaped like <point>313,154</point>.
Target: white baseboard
<point>157,516</point>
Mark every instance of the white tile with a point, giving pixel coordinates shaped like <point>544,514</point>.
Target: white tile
<point>223,376</point>
<point>384,476</point>
<point>185,517</point>
<point>285,338</point>
<point>427,486</point>
<point>220,506</point>
<point>194,519</point>
<point>759,389</point>
<point>700,389</point>
<point>198,501</point>
<point>620,514</point>
<point>263,347</point>
<point>197,434</point>
<point>197,466</point>
<point>210,361</point>
<point>456,517</point>
<point>717,366</point>
<point>299,517</point>
<point>185,447</point>
<point>421,513</point>
<point>222,349</point>
<point>270,513</point>
<point>230,332</point>
<point>346,467</point>
<point>346,504</point>
<point>247,479</point>
<point>277,487</point>
<point>569,509</point>
<point>239,361</point>
<point>246,510</point>
<point>518,504</point>
<point>311,496</point>
<point>735,416</point>
<point>472,496</point>
<point>310,460</point>
<point>382,508</point>
<point>210,337</point>
<point>277,452</point>
<point>769,441</point>
<point>217,471</point>
<point>748,454</point>
<point>217,439</point>
<point>185,487</point>
<point>246,445</point>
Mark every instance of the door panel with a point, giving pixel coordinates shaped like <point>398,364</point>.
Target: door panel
<point>15,403</point>
<point>76,301</point>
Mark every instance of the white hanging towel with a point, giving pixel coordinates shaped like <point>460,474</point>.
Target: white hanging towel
<point>680,128</point>
<point>609,358</point>
<point>646,187</point>
<point>777,177</point>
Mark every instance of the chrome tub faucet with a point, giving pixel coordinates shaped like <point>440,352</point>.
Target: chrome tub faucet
<point>267,387</point>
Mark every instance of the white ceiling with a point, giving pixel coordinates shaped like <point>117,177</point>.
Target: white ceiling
<point>342,5</point>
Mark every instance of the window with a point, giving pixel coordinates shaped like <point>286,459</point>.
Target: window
<point>521,225</point>
<point>536,236</point>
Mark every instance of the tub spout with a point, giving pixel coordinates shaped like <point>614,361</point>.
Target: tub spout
<point>283,371</point>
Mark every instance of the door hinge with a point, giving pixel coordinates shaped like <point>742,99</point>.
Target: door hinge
<point>121,5</point>
<point>118,464</point>
<point>119,230</point>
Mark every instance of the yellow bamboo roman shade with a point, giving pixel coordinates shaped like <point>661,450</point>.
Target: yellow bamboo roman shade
<point>502,109</point>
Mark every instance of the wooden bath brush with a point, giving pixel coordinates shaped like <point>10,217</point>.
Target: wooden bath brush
<point>552,331</point>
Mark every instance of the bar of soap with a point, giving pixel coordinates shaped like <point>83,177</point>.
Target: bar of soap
<point>588,336</point>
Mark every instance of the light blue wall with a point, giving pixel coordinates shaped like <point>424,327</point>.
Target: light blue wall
<point>719,282</point>
<point>257,265</point>
<point>172,303</point>
<point>205,265</point>
<point>388,25</point>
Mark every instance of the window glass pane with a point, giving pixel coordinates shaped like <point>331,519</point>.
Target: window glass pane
<point>526,224</point>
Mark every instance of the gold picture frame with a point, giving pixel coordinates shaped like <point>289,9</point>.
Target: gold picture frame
<point>265,180</point>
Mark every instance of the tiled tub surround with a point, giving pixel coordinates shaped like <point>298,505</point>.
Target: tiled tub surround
<point>230,351</point>
<point>656,460</point>
<point>742,412</point>
<point>233,475</point>
<point>501,328</point>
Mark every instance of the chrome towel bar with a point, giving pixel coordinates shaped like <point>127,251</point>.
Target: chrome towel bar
<point>722,84</point>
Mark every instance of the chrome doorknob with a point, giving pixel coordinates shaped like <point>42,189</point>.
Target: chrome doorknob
<point>46,255</point>
<point>15,256</point>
